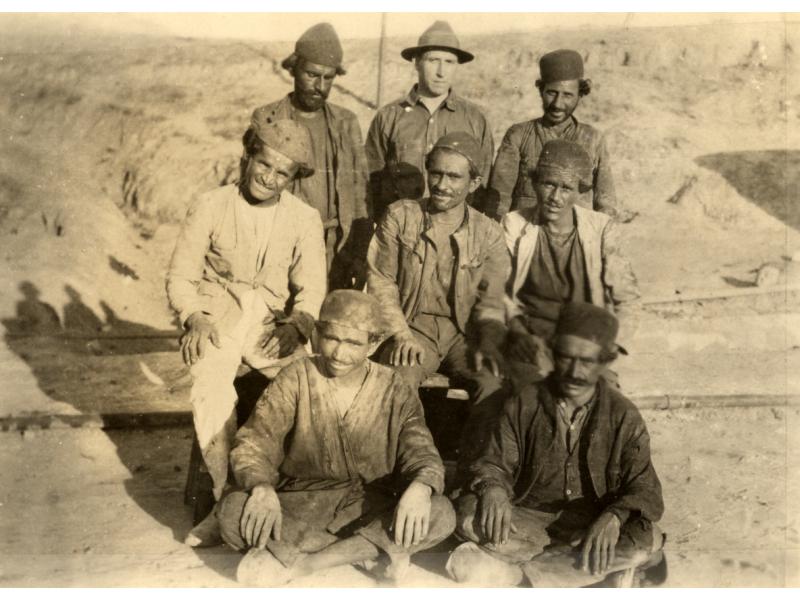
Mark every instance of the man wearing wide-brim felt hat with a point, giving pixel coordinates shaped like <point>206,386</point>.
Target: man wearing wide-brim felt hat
<point>404,131</point>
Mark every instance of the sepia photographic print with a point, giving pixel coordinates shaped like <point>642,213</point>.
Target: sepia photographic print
<point>399,299</point>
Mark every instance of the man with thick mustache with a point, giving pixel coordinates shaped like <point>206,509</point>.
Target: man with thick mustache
<point>338,186</point>
<point>561,252</point>
<point>561,86</point>
<point>247,278</point>
<point>565,492</point>
<point>438,267</point>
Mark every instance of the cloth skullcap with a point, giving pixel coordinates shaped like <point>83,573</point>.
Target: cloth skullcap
<point>319,45</point>
<point>465,145</point>
<point>439,36</point>
<point>353,309</point>
<point>290,138</point>
<point>589,322</point>
<point>569,157</point>
<point>560,65</point>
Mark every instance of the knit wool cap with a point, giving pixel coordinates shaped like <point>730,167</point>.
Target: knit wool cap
<point>589,322</point>
<point>353,309</point>
<point>561,65</point>
<point>290,138</point>
<point>439,36</point>
<point>465,145</point>
<point>568,157</point>
<point>319,45</point>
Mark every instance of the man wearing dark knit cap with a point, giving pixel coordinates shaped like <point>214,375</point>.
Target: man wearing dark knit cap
<point>565,493</point>
<point>404,131</point>
<point>438,267</point>
<point>338,187</point>
<point>561,252</point>
<point>335,465</point>
<point>561,86</point>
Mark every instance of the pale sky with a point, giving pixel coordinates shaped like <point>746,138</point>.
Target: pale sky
<point>288,26</point>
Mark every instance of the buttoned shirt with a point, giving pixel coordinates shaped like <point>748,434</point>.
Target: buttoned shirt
<point>404,131</point>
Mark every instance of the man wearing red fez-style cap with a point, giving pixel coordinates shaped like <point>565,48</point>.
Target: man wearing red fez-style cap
<point>551,486</point>
<point>313,465</point>
<point>404,131</point>
<point>337,189</point>
<point>438,268</point>
<point>561,252</point>
<point>561,86</point>
<point>247,279</point>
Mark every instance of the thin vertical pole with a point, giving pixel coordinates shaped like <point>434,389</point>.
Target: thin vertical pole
<point>381,47</point>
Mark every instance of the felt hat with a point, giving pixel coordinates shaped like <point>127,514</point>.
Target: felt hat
<point>465,145</point>
<point>439,36</point>
<point>353,309</point>
<point>566,156</point>
<point>560,65</point>
<point>319,45</point>
<point>589,322</point>
<point>290,138</point>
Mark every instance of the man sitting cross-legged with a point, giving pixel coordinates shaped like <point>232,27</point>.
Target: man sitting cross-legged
<point>564,492</point>
<point>329,447</point>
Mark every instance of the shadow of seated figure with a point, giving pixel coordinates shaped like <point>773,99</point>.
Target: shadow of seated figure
<point>32,315</point>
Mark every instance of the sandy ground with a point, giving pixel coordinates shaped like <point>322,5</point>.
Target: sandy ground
<point>105,508</point>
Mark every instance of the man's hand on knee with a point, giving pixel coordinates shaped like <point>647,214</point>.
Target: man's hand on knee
<point>282,341</point>
<point>496,514</point>
<point>599,544</point>
<point>199,331</point>
<point>406,350</point>
<point>261,517</point>
<point>412,517</point>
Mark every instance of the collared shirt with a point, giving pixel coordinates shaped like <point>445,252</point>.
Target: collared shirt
<point>404,131</point>
<point>298,437</point>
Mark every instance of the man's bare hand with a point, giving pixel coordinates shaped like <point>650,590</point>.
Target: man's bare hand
<point>600,543</point>
<point>283,340</point>
<point>199,331</point>
<point>261,517</point>
<point>406,350</point>
<point>412,516</point>
<point>496,513</point>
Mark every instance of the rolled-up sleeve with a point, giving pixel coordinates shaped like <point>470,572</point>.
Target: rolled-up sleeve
<point>188,259</point>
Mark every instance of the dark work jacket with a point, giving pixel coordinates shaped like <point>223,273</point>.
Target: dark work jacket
<point>618,454</point>
<point>350,171</point>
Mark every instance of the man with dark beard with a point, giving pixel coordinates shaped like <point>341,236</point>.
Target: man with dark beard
<point>338,187</point>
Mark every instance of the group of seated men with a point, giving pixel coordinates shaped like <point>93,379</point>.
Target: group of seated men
<point>554,484</point>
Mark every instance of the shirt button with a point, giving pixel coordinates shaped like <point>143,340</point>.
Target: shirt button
<point>572,427</point>
<point>569,492</point>
<point>430,120</point>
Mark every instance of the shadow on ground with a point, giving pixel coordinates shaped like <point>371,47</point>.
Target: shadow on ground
<point>769,178</point>
<point>85,361</point>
